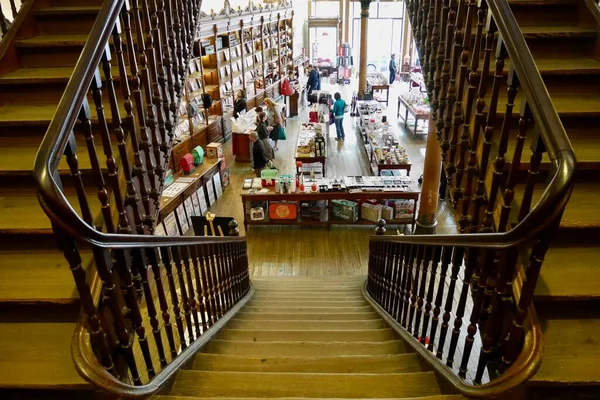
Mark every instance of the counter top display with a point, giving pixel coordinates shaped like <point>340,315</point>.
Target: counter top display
<point>241,146</point>
<point>379,82</point>
<point>311,146</point>
<point>414,111</point>
<point>334,201</point>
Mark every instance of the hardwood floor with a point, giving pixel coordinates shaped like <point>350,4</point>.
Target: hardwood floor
<point>292,251</point>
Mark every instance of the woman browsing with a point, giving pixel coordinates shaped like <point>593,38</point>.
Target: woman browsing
<point>274,119</point>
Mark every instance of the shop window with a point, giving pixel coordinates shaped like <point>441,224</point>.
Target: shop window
<point>325,9</point>
<point>391,10</point>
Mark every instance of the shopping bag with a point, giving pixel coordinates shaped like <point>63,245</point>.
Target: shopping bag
<point>281,133</point>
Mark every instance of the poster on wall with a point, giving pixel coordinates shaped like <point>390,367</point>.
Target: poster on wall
<point>171,225</point>
<point>210,189</point>
<point>189,209</point>
<point>217,184</point>
<point>182,219</point>
<point>159,230</point>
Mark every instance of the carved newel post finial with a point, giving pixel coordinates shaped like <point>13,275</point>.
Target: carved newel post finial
<point>380,230</point>
<point>233,228</point>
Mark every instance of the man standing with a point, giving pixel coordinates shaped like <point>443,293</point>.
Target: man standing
<point>313,81</point>
<point>393,69</point>
<point>259,157</point>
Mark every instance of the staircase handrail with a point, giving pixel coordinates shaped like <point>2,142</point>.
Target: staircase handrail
<point>66,219</point>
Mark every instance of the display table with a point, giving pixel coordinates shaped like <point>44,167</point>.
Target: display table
<point>411,112</point>
<point>379,83</point>
<point>241,146</point>
<point>327,215</point>
<point>306,152</point>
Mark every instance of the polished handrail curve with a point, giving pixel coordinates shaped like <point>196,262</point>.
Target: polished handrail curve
<point>395,257</point>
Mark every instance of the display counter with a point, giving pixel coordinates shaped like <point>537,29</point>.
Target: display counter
<point>413,110</point>
<point>379,83</point>
<point>311,146</point>
<point>331,208</point>
<point>241,146</point>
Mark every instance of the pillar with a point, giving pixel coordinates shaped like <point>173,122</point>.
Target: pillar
<point>347,21</point>
<point>341,23</point>
<point>428,204</point>
<point>364,30</point>
<point>405,35</point>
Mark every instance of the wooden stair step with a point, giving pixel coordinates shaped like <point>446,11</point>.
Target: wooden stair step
<point>294,279</point>
<point>38,281</point>
<point>267,295</point>
<point>372,364</point>
<point>270,385</point>
<point>38,356</point>
<point>64,40</point>
<point>571,352</point>
<point>437,397</point>
<point>300,309</point>
<point>362,316</point>
<point>295,349</point>
<point>261,335</point>
<point>316,303</point>
<point>570,272</point>
<point>557,31</point>
<point>44,75</point>
<point>308,325</point>
<point>21,213</point>
<point>68,10</point>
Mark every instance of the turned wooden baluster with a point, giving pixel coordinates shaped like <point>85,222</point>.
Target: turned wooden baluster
<point>453,94</point>
<point>393,276</point>
<point>167,262</point>
<point>500,161</point>
<point>213,292</point>
<point>86,124</point>
<point>217,279</point>
<point>387,266</point>
<point>165,27</point>
<point>425,34</point>
<point>13,8</point>
<point>457,261</point>
<point>207,295</point>
<point>201,309</point>
<point>73,162</point>
<point>235,263</point>
<point>173,37</point>
<point>470,281</point>
<point>104,266</point>
<point>124,268</point>
<point>437,253</point>
<point>153,260</point>
<point>446,260</point>
<point>515,337</point>
<point>436,62</point>
<point>472,138</point>
<point>489,133</point>
<point>406,284</point>
<point>71,252</point>
<point>372,257</point>
<point>381,271</point>
<point>187,267</point>
<point>509,192</point>
<point>3,25</point>
<point>151,140</point>
<point>187,36</point>
<point>414,289</point>
<point>462,122</point>
<point>137,170</point>
<point>224,279</point>
<point>445,105</point>
<point>156,76</point>
<point>185,300</point>
<point>431,48</point>
<point>537,150</point>
<point>428,254</point>
<point>144,164</point>
<point>396,281</point>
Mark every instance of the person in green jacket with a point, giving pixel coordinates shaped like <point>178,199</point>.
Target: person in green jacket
<point>338,114</point>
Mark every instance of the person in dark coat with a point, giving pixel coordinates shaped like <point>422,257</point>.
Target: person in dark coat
<point>393,68</point>
<point>240,103</point>
<point>259,159</point>
<point>313,80</point>
<point>263,131</point>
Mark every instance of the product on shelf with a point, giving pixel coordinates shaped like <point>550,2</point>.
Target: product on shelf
<point>345,210</point>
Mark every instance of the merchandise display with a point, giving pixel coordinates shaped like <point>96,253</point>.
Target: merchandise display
<point>381,144</point>
<point>311,146</point>
<point>414,110</point>
<point>378,83</point>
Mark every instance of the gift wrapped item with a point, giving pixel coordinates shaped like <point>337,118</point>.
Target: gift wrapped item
<point>387,213</point>
<point>370,212</point>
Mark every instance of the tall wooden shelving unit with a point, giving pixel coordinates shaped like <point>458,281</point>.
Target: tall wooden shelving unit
<point>249,49</point>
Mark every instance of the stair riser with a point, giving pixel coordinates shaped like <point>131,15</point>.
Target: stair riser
<point>309,310</point>
<point>404,363</point>
<point>303,349</point>
<point>306,317</point>
<point>375,335</point>
<point>39,311</point>
<point>50,92</point>
<point>301,303</point>
<point>292,296</point>
<point>553,14</point>
<point>49,57</point>
<point>65,24</point>
<point>308,325</point>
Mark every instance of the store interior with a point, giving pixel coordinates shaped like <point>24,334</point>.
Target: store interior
<point>304,202</point>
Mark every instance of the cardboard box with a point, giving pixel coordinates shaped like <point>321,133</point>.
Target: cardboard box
<point>370,212</point>
<point>214,150</point>
<point>283,210</point>
<point>345,210</point>
<point>387,213</point>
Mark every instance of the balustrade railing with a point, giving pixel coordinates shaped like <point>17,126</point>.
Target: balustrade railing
<point>7,16</point>
<point>467,298</point>
<point>149,302</point>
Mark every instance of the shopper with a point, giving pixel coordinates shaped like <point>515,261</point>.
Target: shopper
<point>313,81</point>
<point>393,69</point>
<point>274,119</point>
<point>259,158</point>
<point>263,134</point>
<point>339,107</point>
<point>240,103</point>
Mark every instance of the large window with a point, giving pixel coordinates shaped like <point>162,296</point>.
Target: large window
<point>386,26</point>
<point>325,9</point>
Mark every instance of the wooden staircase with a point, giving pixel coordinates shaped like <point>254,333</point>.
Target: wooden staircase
<point>302,337</point>
<point>39,303</point>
